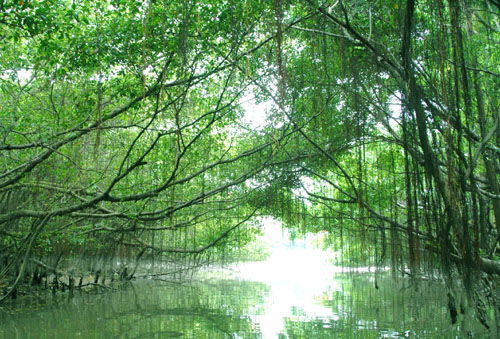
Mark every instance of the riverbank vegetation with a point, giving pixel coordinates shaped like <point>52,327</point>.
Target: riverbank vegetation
<point>123,133</point>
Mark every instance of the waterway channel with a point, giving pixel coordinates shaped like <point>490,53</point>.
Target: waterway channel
<point>295,293</point>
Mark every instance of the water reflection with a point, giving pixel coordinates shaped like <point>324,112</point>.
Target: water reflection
<point>297,275</point>
<point>349,307</point>
<point>143,310</point>
<point>296,293</point>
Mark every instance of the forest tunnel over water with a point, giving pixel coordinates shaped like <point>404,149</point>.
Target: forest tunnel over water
<point>159,134</point>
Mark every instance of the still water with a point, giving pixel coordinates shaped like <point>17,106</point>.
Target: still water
<point>296,293</point>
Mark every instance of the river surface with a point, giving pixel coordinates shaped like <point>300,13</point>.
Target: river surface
<point>296,293</point>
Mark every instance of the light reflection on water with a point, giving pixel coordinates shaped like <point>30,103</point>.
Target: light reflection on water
<point>298,276</point>
<point>296,293</point>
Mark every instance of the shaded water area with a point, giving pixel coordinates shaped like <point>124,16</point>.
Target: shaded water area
<point>296,293</point>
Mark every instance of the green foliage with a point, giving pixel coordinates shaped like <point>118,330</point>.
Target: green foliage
<point>121,127</point>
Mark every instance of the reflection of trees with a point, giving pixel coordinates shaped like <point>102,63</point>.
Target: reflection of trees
<point>222,309</point>
<point>395,308</point>
<point>194,311</point>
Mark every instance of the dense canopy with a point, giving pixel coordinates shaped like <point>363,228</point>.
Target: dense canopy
<point>125,130</point>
